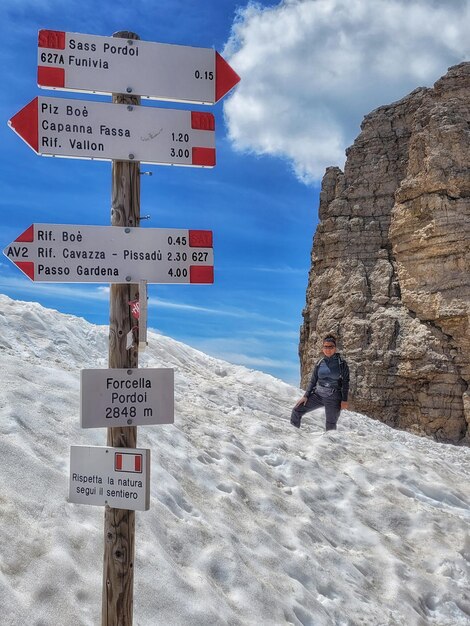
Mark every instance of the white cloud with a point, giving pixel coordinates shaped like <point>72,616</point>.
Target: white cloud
<point>75,292</point>
<point>240,358</point>
<point>311,69</point>
<point>248,351</point>
<point>222,311</point>
<point>285,269</point>
<point>101,293</point>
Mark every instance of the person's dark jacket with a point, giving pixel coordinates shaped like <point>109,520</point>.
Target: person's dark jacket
<point>344,378</point>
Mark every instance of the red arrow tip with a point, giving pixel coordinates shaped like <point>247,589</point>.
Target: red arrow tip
<point>27,267</point>
<point>225,77</point>
<point>25,123</point>
<point>27,235</point>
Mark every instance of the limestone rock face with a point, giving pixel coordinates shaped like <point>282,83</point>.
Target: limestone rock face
<point>390,271</point>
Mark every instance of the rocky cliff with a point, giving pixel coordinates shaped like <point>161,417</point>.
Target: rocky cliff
<point>390,271</point>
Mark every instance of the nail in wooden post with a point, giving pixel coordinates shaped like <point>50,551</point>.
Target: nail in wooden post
<point>119,524</point>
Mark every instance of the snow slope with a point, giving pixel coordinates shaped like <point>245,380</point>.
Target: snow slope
<point>252,522</point>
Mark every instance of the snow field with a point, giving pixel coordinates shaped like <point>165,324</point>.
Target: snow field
<point>252,522</point>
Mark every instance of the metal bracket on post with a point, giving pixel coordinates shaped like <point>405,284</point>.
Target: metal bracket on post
<point>143,315</point>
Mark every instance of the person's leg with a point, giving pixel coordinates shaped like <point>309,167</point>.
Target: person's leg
<point>314,402</point>
<point>332,410</point>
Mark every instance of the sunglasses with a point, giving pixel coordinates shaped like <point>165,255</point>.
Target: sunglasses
<point>328,347</point>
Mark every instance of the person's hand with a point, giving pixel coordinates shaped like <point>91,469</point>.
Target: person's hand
<point>344,405</point>
<point>303,400</point>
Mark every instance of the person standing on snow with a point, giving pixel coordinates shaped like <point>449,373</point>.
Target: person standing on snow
<point>328,387</point>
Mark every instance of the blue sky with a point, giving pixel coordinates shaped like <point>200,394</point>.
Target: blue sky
<point>310,70</point>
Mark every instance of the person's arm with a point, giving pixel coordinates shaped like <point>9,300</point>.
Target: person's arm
<point>310,388</point>
<point>313,381</point>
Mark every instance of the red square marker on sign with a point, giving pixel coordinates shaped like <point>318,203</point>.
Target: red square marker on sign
<point>202,274</point>
<point>51,76</point>
<point>53,39</point>
<point>127,462</point>
<point>199,239</point>
<point>202,121</point>
<point>204,156</point>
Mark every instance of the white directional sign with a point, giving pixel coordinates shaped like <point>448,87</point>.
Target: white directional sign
<point>65,253</point>
<point>77,62</point>
<point>80,129</point>
<point>126,397</point>
<point>118,477</point>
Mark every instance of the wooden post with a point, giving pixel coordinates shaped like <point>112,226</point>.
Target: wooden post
<point>119,524</point>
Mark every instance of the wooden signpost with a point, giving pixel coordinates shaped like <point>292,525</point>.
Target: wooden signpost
<point>119,524</point>
<point>118,476</point>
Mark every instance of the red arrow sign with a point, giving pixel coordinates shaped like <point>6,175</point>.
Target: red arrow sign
<point>67,253</point>
<point>77,62</point>
<point>25,124</point>
<point>226,77</point>
<point>106,131</point>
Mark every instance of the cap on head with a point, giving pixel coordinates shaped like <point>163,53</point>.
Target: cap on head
<point>330,339</point>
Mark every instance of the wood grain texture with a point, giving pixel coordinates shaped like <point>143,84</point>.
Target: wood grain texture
<point>119,524</point>
<point>118,583</point>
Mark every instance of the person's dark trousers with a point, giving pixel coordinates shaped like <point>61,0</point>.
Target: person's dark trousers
<point>332,406</point>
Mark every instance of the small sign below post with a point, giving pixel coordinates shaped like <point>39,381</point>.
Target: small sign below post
<point>117,477</point>
<point>126,397</point>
